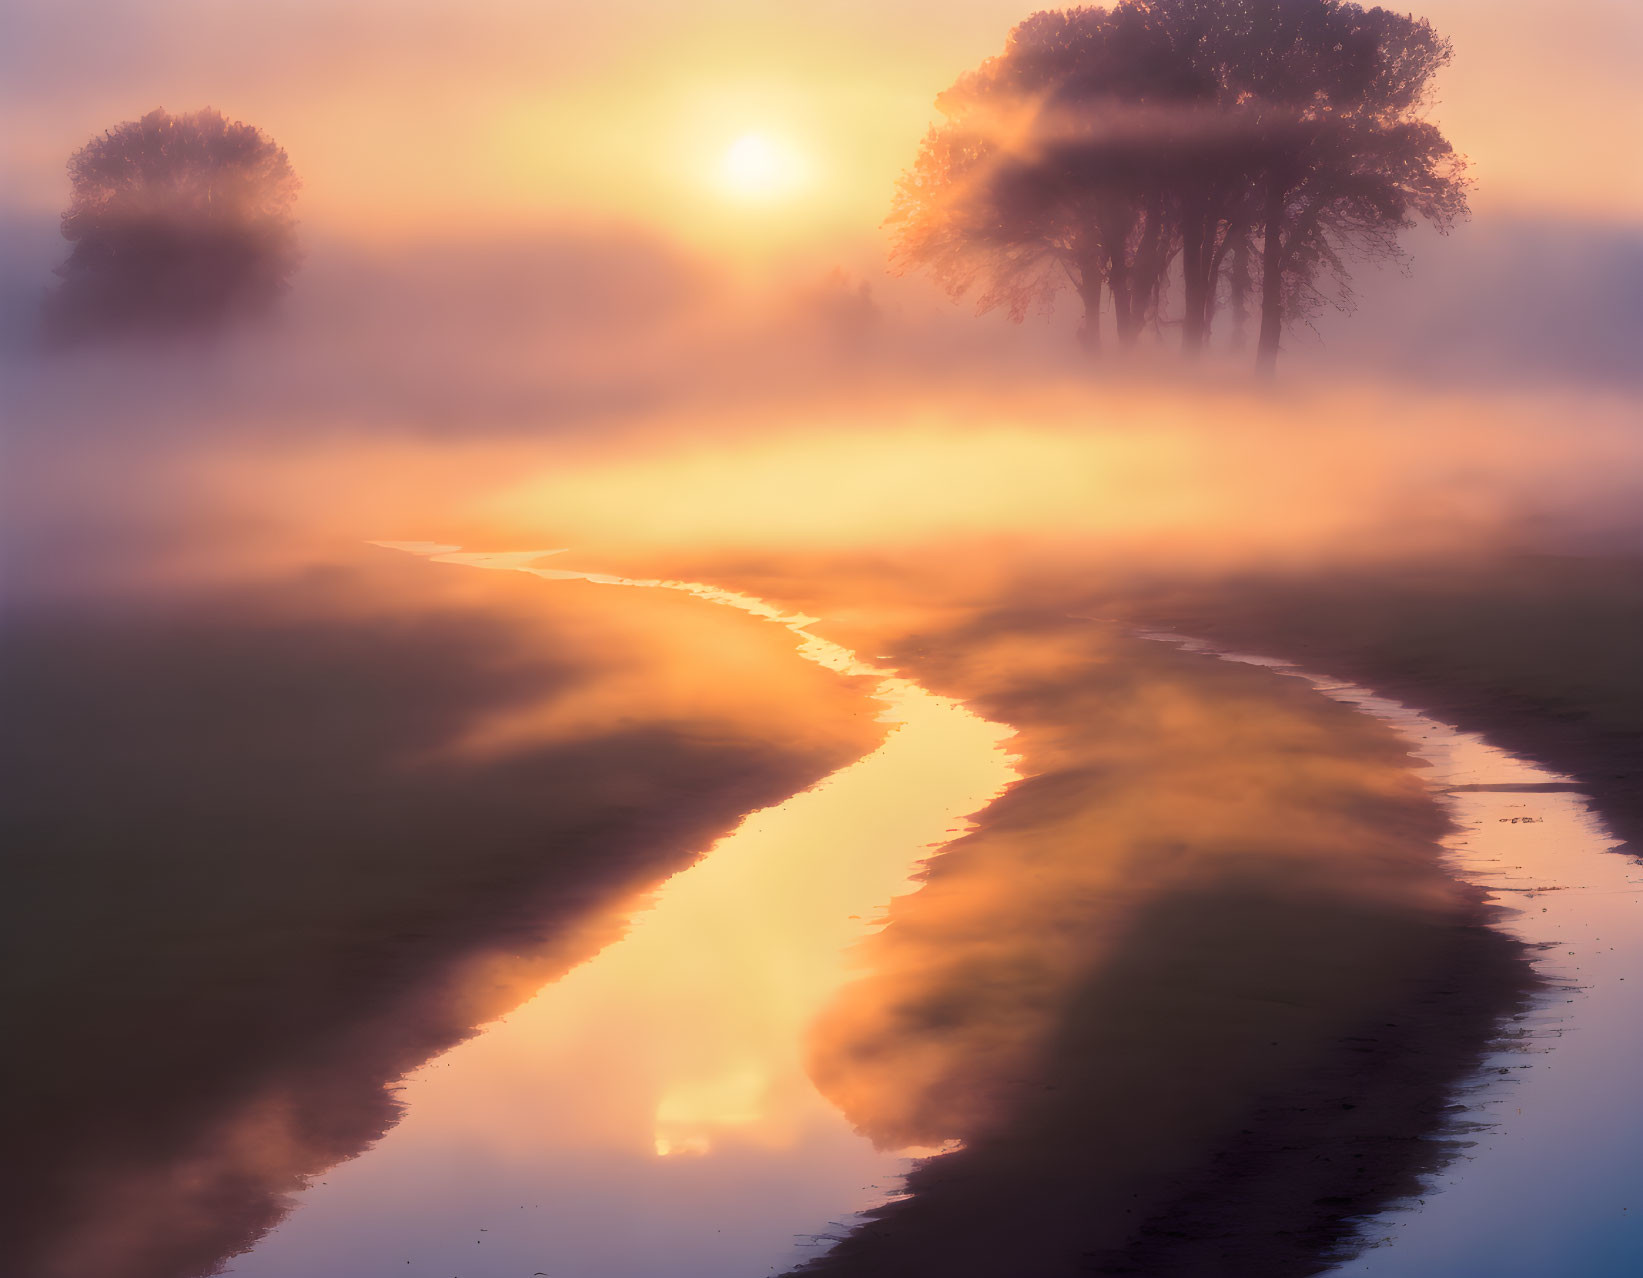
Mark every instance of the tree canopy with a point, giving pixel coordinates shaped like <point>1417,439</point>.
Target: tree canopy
<point>1234,148</point>
<point>177,222</point>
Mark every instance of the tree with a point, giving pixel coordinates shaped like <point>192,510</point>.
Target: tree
<point>1113,150</point>
<point>1347,162</point>
<point>1042,176</point>
<point>177,223</point>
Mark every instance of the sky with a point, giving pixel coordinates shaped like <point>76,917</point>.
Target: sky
<point>416,118</point>
<point>527,229</point>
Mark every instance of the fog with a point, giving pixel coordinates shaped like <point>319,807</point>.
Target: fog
<point>611,392</point>
<point>299,812</point>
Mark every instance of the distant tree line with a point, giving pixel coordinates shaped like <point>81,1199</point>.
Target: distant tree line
<point>1182,160</point>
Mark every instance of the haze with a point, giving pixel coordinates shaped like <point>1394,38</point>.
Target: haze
<point>578,701</point>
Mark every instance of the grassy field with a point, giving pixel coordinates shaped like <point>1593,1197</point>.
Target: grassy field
<point>272,845</point>
<point>1195,995</point>
<point>1542,653</point>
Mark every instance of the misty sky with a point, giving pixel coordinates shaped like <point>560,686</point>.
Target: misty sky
<point>591,262</point>
<point>408,117</point>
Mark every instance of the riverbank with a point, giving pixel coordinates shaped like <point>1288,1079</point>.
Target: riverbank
<point>649,1111</point>
<point>274,843</point>
<point>1196,996</point>
<point>1554,1169</point>
<point>1539,653</point>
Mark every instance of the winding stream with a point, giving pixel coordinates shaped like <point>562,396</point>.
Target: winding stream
<point>649,1113</point>
<point>1554,1183</point>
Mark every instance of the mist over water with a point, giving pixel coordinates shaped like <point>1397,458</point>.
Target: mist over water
<point>332,862</point>
<point>865,456</point>
<point>607,390</point>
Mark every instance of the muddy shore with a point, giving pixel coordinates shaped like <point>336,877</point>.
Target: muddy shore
<point>1195,996</point>
<point>1539,653</point>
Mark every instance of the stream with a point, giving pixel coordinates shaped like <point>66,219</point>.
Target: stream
<point>1554,1181</point>
<point>649,1112</point>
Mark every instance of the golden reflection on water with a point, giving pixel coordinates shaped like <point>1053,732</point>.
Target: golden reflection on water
<point>681,1046</point>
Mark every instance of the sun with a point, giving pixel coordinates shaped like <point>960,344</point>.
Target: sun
<point>758,167</point>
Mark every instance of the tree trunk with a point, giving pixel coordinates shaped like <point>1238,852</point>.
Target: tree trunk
<point>1089,332</point>
<point>1110,231</point>
<point>1272,280</point>
<point>1221,239</point>
<point>1145,274</point>
<point>1122,311</point>
<point>1240,286</point>
<point>1193,260</point>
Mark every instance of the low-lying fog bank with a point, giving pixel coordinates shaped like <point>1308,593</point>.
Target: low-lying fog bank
<point>281,801</point>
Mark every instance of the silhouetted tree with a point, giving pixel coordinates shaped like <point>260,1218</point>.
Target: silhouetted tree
<point>1347,162</point>
<point>1113,149</point>
<point>1044,175</point>
<point>177,222</point>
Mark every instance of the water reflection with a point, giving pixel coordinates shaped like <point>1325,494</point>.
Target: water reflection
<point>1553,1181</point>
<point>252,881</point>
<point>1193,995</point>
<point>1562,1160</point>
<point>650,1112</point>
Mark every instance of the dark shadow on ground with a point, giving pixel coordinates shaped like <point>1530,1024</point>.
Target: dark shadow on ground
<point>1537,652</point>
<point>1196,995</point>
<point>270,846</point>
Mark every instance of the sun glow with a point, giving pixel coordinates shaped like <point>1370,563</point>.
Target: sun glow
<point>759,167</point>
